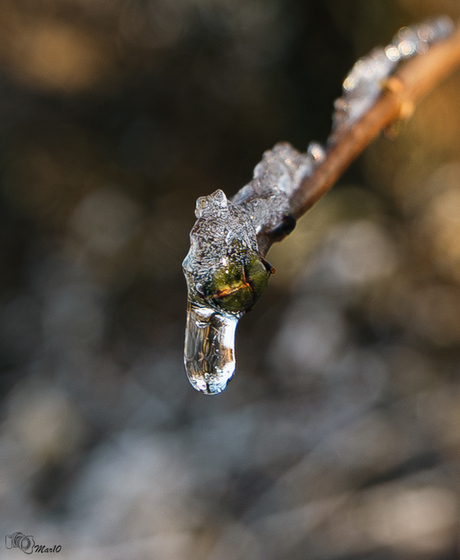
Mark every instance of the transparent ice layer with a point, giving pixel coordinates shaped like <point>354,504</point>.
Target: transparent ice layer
<point>363,84</point>
<point>221,237</point>
<point>266,199</point>
<point>220,241</point>
<point>209,354</point>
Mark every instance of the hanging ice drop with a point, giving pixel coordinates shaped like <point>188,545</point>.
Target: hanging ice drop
<point>209,353</point>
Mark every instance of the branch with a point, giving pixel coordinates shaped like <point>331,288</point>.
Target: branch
<point>225,268</point>
<point>401,93</point>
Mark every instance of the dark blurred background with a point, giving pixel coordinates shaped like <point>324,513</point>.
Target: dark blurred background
<point>339,437</point>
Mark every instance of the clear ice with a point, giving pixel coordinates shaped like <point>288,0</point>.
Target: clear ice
<point>225,271</point>
<point>209,354</point>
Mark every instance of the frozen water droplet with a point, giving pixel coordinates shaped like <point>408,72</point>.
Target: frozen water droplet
<point>209,353</point>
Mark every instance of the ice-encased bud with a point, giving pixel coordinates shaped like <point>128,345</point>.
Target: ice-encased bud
<point>225,272</point>
<point>225,277</point>
<point>236,288</point>
<point>223,267</point>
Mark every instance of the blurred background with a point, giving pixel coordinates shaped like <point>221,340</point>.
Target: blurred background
<point>339,437</point>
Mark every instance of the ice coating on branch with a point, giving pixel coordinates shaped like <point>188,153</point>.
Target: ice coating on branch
<point>225,273</point>
<point>266,199</point>
<point>363,84</point>
<point>221,238</point>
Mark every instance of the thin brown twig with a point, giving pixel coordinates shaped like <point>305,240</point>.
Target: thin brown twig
<point>404,90</point>
<point>209,347</point>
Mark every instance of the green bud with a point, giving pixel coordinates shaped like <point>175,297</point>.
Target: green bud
<point>237,287</point>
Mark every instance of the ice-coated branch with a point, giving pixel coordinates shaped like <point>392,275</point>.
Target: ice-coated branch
<point>225,268</point>
<point>396,99</point>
